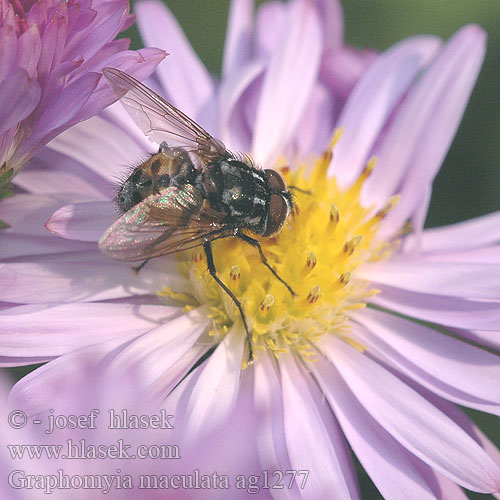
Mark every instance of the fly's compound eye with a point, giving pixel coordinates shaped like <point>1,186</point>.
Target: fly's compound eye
<point>278,212</point>
<point>276,182</point>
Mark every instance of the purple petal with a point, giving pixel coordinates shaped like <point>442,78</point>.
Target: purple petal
<point>373,100</point>
<point>487,338</point>
<point>154,353</point>
<point>84,143</point>
<point>457,371</point>
<point>234,130</point>
<point>414,422</point>
<point>288,82</point>
<point>183,75</point>
<point>212,394</point>
<point>110,18</point>
<point>8,50</point>
<point>388,464</point>
<point>463,235</point>
<point>271,17</point>
<point>67,104</point>
<point>48,330</point>
<point>453,279</point>
<point>237,47</point>
<point>139,63</point>
<point>29,48</point>
<point>51,172</point>
<point>448,311</point>
<point>19,95</point>
<point>422,130</point>
<point>332,19</point>
<point>66,278</point>
<point>83,221</point>
<point>27,213</point>
<point>484,255</point>
<point>313,438</point>
<point>271,442</point>
<point>36,391</point>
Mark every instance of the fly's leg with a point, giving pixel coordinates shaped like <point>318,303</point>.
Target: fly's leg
<point>263,258</point>
<point>140,266</point>
<point>211,268</point>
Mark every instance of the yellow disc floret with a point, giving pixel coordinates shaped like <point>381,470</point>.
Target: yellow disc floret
<point>326,237</point>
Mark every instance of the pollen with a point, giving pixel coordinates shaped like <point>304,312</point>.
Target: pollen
<point>328,235</point>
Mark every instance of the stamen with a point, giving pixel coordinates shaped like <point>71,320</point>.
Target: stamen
<point>334,214</point>
<point>351,245</point>
<point>235,273</point>
<point>312,260</point>
<point>267,303</point>
<point>391,203</point>
<point>197,257</point>
<point>314,294</point>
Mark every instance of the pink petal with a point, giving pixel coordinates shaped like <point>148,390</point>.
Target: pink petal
<point>414,422</point>
<point>83,221</point>
<point>313,438</point>
<point>373,100</point>
<point>183,75</point>
<point>422,130</point>
<point>48,330</point>
<point>448,311</point>
<point>210,396</point>
<point>387,463</point>
<point>237,47</point>
<point>288,82</point>
<point>454,279</point>
<point>456,370</point>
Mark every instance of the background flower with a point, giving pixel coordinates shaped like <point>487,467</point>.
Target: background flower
<point>51,58</point>
<point>357,372</point>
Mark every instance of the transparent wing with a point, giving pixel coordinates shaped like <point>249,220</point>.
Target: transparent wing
<point>161,224</point>
<point>159,120</point>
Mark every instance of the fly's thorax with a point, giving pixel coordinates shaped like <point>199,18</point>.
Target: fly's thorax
<point>239,190</point>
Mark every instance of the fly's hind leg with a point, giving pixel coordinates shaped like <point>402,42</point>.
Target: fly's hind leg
<point>211,268</point>
<point>140,266</point>
<point>263,258</point>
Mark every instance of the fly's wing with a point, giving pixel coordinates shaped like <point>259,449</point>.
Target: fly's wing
<point>161,224</point>
<point>159,120</point>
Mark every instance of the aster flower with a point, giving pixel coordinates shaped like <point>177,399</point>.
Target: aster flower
<point>52,53</point>
<point>328,369</point>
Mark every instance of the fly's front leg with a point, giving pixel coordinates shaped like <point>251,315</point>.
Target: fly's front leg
<point>211,268</point>
<point>263,258</point>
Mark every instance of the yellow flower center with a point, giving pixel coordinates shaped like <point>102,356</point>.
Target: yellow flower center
<point>326,237</point>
